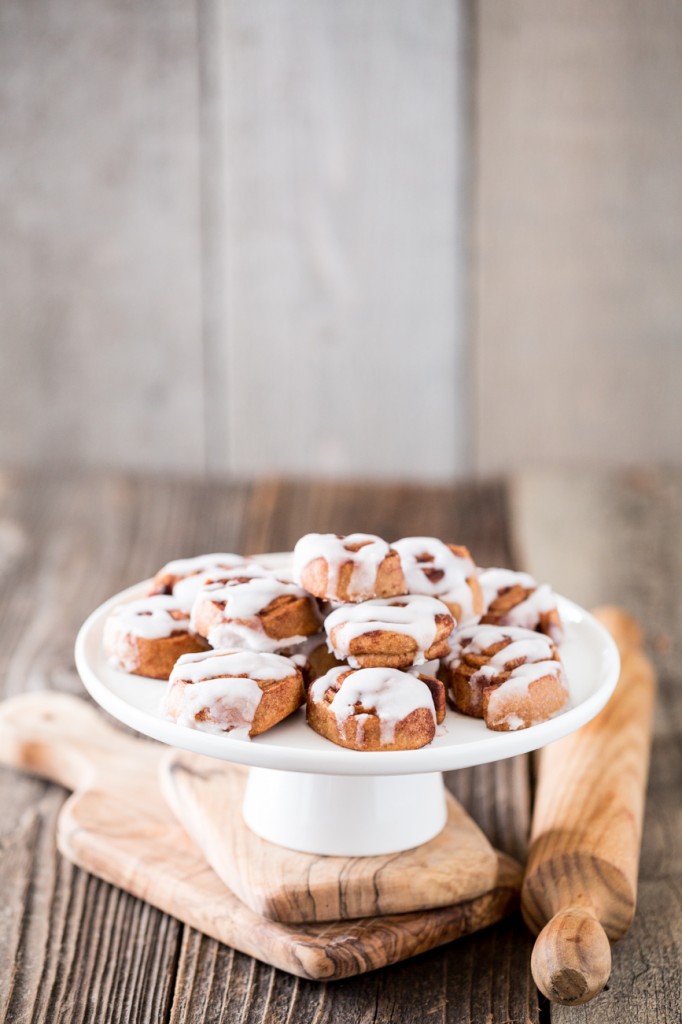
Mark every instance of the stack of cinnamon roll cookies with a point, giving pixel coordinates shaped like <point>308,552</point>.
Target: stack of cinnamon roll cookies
<point>374,638</point>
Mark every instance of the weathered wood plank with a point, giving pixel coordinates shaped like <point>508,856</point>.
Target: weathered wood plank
<point>578,230</point>
<point>100,244</point>
<point>341,152</point>
<point>618,538</point>
<point>70,947</point>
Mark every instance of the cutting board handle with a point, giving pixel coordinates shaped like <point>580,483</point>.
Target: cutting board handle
<point>64,739</point>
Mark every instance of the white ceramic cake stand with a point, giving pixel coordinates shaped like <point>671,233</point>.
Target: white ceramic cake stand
<point>308,794</point>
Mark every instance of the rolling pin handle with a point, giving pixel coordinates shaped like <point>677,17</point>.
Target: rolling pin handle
<point>571,960</point>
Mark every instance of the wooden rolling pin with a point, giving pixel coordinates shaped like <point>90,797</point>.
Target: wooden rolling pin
<point>580,886</point>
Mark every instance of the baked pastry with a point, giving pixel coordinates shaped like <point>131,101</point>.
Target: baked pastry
<point>313,657</point>
<point>184,577</point>
<point>147,637</point>
<point>432,567</point>
<point>510,677</point>
<point>254,612</point>
<point>445,571</point>
<point>376,708</point>
<point>465,601</point>
<point>515,599</point>
<point>393,631</point>
<point>347,569</point>
<point>242,693</point>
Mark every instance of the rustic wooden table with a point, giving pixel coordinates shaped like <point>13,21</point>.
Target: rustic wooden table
<point>74,949</point>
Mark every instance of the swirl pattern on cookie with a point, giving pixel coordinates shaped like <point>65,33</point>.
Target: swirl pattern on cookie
<point>173,573</point>
<point>241,693</point>
<point>397,631</point>
<point>432,567</point>
<point>357,567</point>
<point>375,708</point>
<point>516,599</point>
<point>509,676</point>
<point>256,612</point>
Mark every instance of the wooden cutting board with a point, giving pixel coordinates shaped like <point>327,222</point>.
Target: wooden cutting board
<point>285,885</point>
<point>117,826</point>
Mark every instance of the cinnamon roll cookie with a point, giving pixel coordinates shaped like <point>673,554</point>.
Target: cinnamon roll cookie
<point>256,612</point>
<point>445,571</point>
<point>515,599</point>
<point>184,577</point>
<point>146,637</point>
<point>393,631</point>
<point>347,569</point>
<point>376,708</point>
<point>242,693</point>
<point>510,677</point>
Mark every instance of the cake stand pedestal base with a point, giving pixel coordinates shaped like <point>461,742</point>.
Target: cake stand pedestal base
<point>345,815</point>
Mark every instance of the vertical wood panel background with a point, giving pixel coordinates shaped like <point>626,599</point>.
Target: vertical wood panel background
<point>235,236</point>
<point>579,232</point>
<point>343,237</point>
<point>100,301</point>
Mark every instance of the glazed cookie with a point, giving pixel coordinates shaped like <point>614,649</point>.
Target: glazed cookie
<point>376,708</point>
<point>347,569</point>
<point>432,567</point>
<point>147,637</point>
<point>242,693</point>
<point>510,677</point>
<point>185,577</point>
<point>394,631</point>
<point>259,613</point>
<point>515,599</point>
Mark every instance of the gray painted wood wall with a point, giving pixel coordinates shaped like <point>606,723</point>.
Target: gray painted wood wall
<point>402,238</point>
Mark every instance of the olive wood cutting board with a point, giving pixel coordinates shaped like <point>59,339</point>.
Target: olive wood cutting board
<point>118,826</point>
<point>285,885</point>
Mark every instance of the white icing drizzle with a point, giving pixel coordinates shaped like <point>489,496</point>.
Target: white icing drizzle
<point>193,668</point>
<point>454,568</point>
<point>150,617</point>
<point>300,653</point>
<point>185,566</point>
<point>239,625</point>
<point>477,639</point>
<point>463,596</point>
<point>413,615</point>
<point>232,703</point>
<point>334,549</point>
<point>427,668</point>
<point>390,694</point>
<point>187,588</point>
<point>526,614</point>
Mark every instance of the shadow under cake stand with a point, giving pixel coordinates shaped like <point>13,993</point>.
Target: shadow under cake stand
<point>308,794</point>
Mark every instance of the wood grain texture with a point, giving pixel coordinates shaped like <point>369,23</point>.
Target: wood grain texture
<point>578,228</point>
<point>580,885</point>
<point>118,826</point>
<point>283,885</point>
<point>71,947</point>
<point>100,243</point>
<point>342,205</point>
<point>600,538</point>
